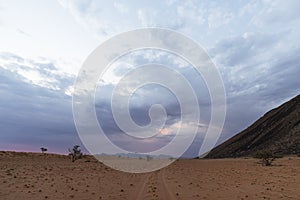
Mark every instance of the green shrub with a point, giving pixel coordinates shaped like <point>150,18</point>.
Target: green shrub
<point>43,149</point>
<point>75,153</point>
<point>267,157</point>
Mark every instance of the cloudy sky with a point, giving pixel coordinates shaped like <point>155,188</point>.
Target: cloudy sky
<point>254,44</point>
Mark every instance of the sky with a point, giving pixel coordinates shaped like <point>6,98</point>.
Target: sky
<point>255,45</point>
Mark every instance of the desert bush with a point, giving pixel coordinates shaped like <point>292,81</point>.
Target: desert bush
<point>267,157</point>
<point>75,153</point>
<point>43,149</point>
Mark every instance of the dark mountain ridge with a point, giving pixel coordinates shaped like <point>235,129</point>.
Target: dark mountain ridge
<point>277,131</point>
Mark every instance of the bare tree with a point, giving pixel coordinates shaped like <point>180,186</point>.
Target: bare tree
<point>43,149</point>
<point>75,153</point>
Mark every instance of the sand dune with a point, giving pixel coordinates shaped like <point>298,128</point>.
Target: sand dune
<point>48,176</point>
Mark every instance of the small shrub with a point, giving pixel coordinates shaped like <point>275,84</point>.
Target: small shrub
<point>267,157</point>
<point>75,153</point>
<point>43,149</point>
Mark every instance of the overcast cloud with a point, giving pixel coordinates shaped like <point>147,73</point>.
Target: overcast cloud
<point>255,45</point>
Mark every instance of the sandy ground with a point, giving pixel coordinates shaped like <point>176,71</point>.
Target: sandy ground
<point>38,176</point>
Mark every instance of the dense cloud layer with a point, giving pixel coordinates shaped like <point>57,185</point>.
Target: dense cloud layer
<point>255,45</point>
<point>35,112</point>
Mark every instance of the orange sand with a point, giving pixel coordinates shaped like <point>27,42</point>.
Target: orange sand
<point>48,176</point>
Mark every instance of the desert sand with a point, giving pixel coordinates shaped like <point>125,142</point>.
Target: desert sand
<point>49,176</point>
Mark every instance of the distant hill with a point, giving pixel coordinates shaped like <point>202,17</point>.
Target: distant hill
<point>277,131</point>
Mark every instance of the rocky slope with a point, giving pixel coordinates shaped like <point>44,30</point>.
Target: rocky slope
<point>277,131</point>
